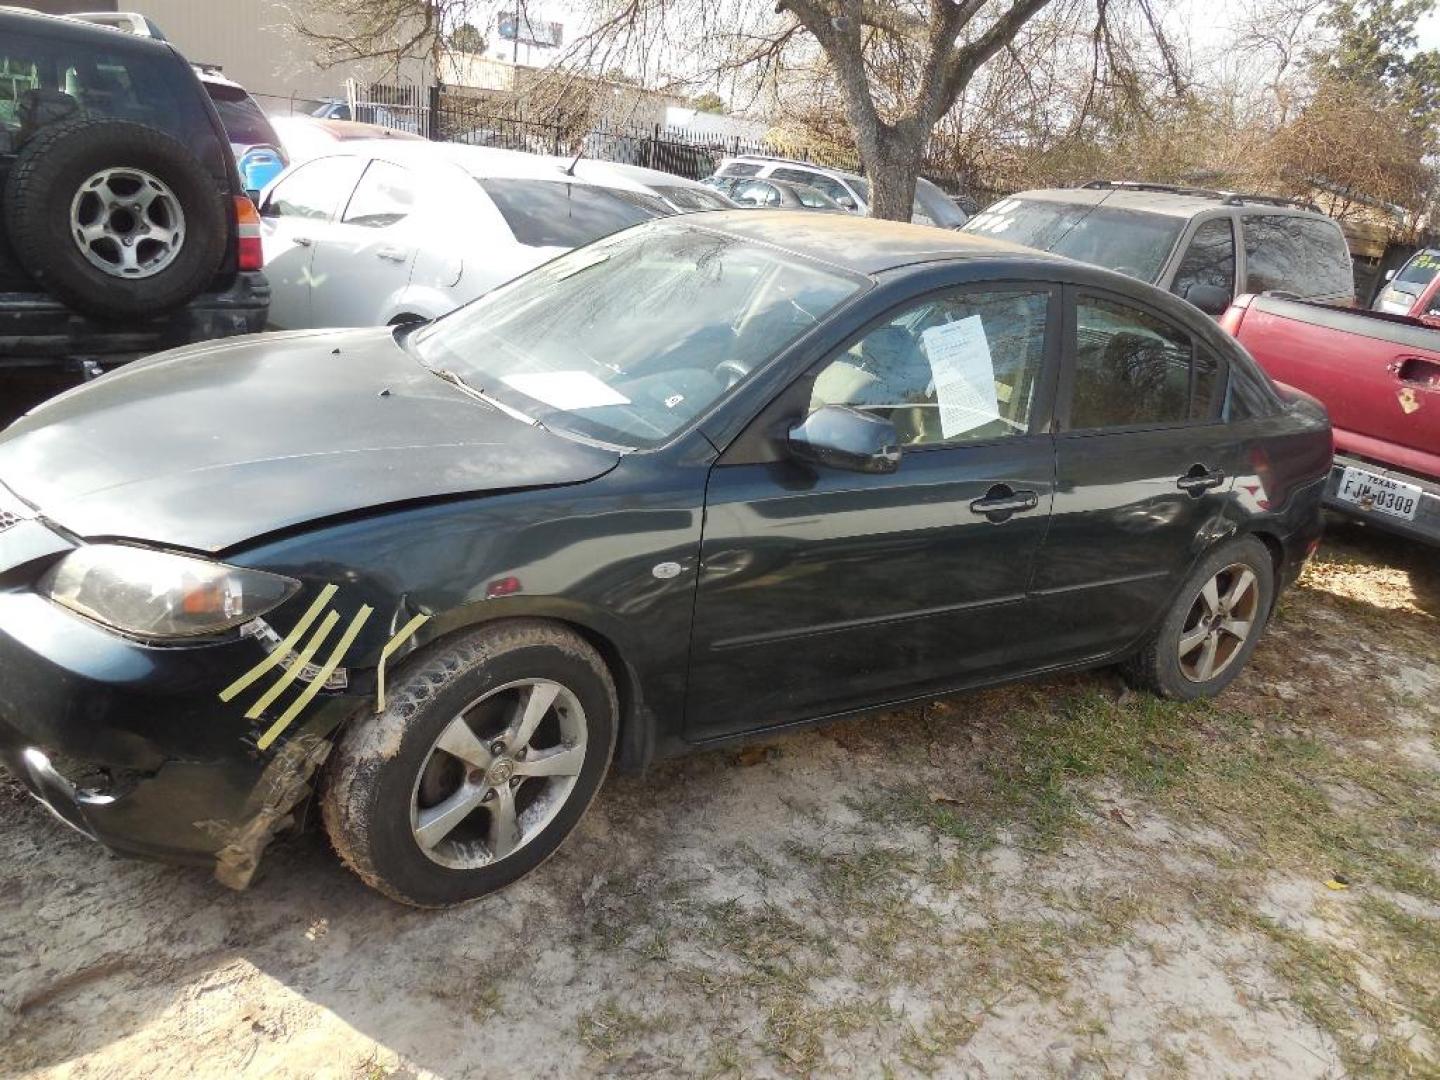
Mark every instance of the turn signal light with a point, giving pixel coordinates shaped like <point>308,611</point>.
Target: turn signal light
<point>251,254</point>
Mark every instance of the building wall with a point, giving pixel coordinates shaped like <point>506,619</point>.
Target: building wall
<point>253,41</point>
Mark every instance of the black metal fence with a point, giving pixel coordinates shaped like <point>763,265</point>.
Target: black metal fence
<point>692,154</point>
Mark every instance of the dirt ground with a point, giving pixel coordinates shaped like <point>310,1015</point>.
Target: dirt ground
<point>1063,878</point>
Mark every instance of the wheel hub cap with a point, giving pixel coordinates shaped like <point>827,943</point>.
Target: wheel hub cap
<point>498,773</point>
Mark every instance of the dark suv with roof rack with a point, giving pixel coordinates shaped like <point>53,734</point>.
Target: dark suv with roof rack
<point>124,228</point>
<point>1206,246</point>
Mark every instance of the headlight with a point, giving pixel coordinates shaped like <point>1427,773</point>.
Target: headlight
<point>154,594</point>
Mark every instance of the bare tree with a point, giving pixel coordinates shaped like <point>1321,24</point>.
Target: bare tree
<point>892,68</point>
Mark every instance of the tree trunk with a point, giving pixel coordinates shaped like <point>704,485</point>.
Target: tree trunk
<point>891,172</point>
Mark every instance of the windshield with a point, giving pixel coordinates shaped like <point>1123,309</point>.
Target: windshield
<point>557,213</point>
<point>629,339</point>
<point>1130,241</point>
<point>1419,271</point>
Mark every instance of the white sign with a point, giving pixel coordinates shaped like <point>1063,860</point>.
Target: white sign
<point>566,389</point>
<point>964,375</point>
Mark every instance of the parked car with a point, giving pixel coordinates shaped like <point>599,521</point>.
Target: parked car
<point>1199,244</point>
<point>772,194</point>
<point>1415,289</point>
<point>396,117</point>
<point>125,227</point>
<point>715,475</point>
<point>306,137</point>
<point>850,190</point>
<point>1379,376</point>
<point>395,231</point>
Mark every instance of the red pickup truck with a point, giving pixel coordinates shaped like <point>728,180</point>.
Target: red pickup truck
<point>1379,377</point>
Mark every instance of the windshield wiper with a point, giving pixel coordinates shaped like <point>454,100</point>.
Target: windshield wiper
<point>480,395</point>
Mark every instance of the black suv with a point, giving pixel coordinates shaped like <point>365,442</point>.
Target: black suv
<point>124,228</point>
<point>1203,245</point>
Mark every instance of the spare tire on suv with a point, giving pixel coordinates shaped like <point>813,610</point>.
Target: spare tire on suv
<point>117,219</point>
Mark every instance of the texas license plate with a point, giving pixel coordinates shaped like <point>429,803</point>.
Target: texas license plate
<point>1379,493</point>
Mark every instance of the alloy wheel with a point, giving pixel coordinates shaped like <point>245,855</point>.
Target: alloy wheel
<point>498,773</point>
<point>1221,620</point>
<point>127,223</point>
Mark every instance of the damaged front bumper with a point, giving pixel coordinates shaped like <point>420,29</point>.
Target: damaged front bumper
<point>130,744</point>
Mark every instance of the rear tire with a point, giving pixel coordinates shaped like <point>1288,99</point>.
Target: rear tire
<point>1213,626</point>
<point>117,219</point>
<point>489,751</point>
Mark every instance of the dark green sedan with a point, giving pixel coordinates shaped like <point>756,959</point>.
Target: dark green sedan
<point>708,477</point>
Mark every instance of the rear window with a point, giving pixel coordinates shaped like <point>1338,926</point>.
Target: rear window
<point>1300,255</point>
<point>146,85</point>
<point>1131,241</point>
<point>551,213</point>
<point>689,198</point>
<point>244,123</point>
<point>740,169</point>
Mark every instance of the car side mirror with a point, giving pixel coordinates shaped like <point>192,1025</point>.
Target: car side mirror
<point>840,437</point>
<point>1211,299</point>
<point>1390,275</point>
<point>847,202</point>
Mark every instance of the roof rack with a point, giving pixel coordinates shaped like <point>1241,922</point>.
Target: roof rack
<point>1229,198</point>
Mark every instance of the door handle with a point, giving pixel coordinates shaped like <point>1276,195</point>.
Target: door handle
<point>1001,501</point>
<point>390,254</point>
<point>1200,480</point>
<point>303,241</point>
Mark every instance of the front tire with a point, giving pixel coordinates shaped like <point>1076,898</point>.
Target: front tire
<point>489,752</point>
<point>1212,627</point>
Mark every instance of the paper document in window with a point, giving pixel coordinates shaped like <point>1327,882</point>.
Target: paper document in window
<point>964,375</point>
<point>566,389</point>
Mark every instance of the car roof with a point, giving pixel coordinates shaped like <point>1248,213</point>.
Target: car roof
<point>1169,203</point>
<point>861,244</point>
<point>343,131</point>
<point>639,174</point>
<point>478,161</point>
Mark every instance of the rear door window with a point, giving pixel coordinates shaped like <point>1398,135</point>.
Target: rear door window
<point>1209,260</point>
<point>1301,255</point>
<point>1134,369</point>
<point>549,213</point>
<point>384,197</point>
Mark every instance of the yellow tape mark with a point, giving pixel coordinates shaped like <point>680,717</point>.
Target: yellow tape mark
<point>326,670</point>
<point>289,675</point>
<point>390,648</point>
<point>283,649</point>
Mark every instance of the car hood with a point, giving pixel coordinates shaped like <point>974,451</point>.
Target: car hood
<point>208,446</point>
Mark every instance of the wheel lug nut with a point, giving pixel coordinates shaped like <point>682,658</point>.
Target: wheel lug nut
<point>489,796</point>
<point>475,776</point>
<point>497,747</point>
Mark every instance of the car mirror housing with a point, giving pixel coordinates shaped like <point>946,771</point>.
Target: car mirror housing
<point>839,437</point>
<point>847,202</point>
<point>1210,299</point>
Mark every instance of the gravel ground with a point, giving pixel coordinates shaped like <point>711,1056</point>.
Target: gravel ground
<point>1061,878</point>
